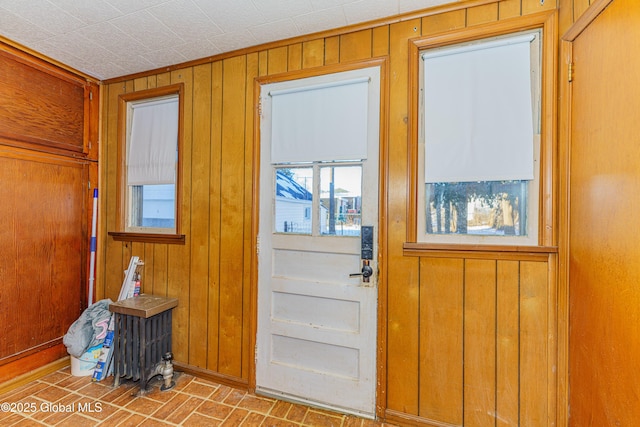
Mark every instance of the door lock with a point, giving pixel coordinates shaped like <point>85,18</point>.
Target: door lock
<point>366,272</point>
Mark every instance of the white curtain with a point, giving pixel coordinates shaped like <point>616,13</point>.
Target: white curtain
<point>321,122</point>
<point>152,148</point>
<point>478,123</point>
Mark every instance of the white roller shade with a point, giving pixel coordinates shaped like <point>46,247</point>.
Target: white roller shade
<point>478,123</point>
<point>321,122</point>
<point>153,143</point>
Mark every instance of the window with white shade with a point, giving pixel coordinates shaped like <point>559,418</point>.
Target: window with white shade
<point>149,161</point>
<point>480,141</point>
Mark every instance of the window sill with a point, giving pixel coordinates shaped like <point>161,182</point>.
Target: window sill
<point>169,239</point>
<point>478,251</point>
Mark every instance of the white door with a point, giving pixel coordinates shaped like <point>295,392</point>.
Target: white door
<point>316,334</point>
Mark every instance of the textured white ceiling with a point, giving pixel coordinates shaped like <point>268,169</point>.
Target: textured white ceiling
<point>112,38</point>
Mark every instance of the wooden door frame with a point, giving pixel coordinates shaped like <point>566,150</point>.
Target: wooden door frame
<point>564,202</point>
<point>381,351</point>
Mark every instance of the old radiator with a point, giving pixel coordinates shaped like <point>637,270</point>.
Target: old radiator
<point>142,339</point>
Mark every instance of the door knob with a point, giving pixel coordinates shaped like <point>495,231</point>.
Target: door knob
<point>366,272</point>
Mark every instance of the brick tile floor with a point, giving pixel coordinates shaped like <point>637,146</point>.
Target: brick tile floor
<point>60,399</point>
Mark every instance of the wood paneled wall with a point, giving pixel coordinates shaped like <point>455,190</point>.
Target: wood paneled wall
<point>465,339</point>
<point>48,156</point>
<point>485,346</point>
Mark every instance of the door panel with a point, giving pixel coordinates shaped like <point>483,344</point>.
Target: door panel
<point>316,337</point>
<point>42,230</point>
<point>604,323</point>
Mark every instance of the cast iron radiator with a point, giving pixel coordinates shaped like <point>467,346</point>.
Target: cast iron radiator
<point>142,337</point>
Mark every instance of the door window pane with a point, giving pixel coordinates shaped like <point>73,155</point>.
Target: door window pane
<point>340,200</point>
<point>293,200</point>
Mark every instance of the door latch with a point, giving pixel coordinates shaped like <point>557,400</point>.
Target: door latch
<point>366,272</point>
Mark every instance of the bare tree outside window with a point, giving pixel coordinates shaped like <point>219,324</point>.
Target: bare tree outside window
<point>477,208</point>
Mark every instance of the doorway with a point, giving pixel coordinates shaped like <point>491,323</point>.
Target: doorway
<point>317,314</point>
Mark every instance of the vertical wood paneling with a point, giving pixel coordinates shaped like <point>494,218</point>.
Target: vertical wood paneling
<point>313,53</point>
<point>533,6</point>
<point>403,286</point>
<point>444,22</point>
<point>199,232</point>
<point>466,338</point>
<point>354,46</point>
<point>294,60</point>
<point>441,343</point>
<point>164,79</point>
<point>179,256</point>
<point>137,249</point>
<point>380,42</point>
<point>160,263</point>
<point>331,50</point>
<point>9,272</point>
<point>479,342</point>
<point>215,224</point>
<point>509,9</point>
<point>278,60</point>
<point>146,283</point>
<point>482,14</point>
<point>112,252</point>
<point>232,216</point>
<point>484,355</point>
<point>252,71</point>
<point>125,253</point>
<point>140,83</point>
<point>556,405</point>
<point>533,343</point>
<point>507,343</point>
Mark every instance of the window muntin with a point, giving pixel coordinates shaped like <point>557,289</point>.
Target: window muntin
<point>502,209</point>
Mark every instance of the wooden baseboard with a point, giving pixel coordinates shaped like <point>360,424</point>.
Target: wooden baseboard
<point>212,376</point>
<point>34,374</point>
<point>31,361</point>
<point>403,419</point>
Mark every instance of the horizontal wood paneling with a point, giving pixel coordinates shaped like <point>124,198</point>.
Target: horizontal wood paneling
<point>455,327</point>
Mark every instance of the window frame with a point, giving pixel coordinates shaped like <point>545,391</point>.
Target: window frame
<point>546,193</point>
<point>153,235</point>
